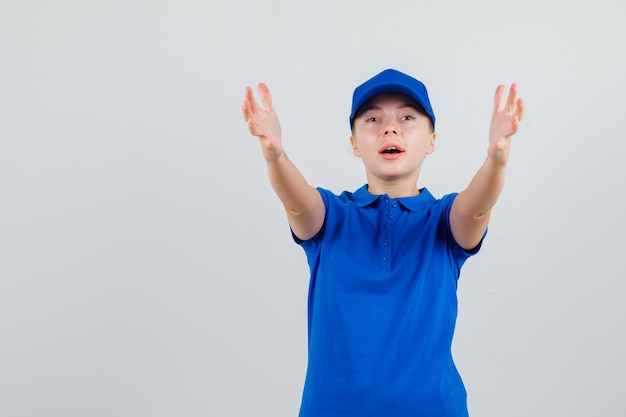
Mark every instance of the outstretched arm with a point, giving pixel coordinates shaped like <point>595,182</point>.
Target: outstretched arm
<point>471,210</point>
<point>303,203</point>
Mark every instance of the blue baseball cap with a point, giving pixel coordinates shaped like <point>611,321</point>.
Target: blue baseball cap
<point>391,81</point>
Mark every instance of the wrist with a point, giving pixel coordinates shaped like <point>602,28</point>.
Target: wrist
<point>498,153</point>
<point>498,159</point>
<point>272,150</point>
<point>274,153</point>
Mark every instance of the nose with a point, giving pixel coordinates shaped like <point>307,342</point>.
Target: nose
<point>390,128</point>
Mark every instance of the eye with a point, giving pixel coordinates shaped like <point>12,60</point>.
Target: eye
<point>408,117</point>
<point>371,119</point>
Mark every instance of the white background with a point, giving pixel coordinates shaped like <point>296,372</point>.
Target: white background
<point>146,268</point>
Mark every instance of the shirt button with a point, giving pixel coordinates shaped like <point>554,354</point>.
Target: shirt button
<point>385,257</point>
<point>386,242</point>
<point>393,204</point>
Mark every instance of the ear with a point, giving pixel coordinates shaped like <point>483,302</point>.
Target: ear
<point>355,148</point>
<point>431,143</point>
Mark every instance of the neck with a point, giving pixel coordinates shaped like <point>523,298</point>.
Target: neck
<point>393,190</point>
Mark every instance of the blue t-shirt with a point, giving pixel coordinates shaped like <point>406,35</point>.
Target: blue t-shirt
<point>382,308</point>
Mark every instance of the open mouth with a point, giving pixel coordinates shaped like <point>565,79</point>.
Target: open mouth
<point>391,150</point>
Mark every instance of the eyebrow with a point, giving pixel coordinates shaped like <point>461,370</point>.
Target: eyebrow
<point>401,106</point>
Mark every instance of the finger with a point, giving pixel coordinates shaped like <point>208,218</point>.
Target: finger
<point>266,97</point>
<point>514,126</point>
<point>512,99</point>
<point>252,104</point>
<point>520,109</point>
<point>252,127</point>
<point>244,110</point>
<point>246,107</point>
<point>498,98</point>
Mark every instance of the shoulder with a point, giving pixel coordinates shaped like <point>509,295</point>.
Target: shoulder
<point>447,200</point>
<point>425,202</point>
<point>443,199</point>
<point>343,198</point>
<point>444,203</point>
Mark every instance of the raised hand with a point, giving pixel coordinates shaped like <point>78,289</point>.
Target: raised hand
<point>263,122</point>
<point>504,122</point>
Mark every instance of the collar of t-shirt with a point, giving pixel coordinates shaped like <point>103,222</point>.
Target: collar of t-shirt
<point>362,198</point>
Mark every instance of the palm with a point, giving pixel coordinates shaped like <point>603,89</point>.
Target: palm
<point>262,120</point>
<point>504,122</point>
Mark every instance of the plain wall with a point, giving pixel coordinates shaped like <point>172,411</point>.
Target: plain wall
<point>146,268</point>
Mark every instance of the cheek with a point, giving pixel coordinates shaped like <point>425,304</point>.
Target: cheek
<point>366,143</point>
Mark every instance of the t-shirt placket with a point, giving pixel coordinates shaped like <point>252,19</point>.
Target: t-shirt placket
<point>389,219</point>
